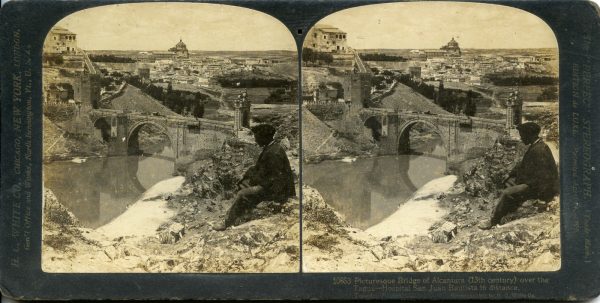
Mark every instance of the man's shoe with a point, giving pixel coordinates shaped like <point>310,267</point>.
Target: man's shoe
<point>219,226</point>
<point>485,225</point>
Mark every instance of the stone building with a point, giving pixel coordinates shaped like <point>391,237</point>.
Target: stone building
<point>144,73</point>
<point>58,93</point>
<point>60,41</point>
<point>325,38</point>
<point>452,49</point>
<point>180,50</point>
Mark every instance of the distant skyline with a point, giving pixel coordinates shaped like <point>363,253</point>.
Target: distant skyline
<point>159,26</point>
<point>429,25</point>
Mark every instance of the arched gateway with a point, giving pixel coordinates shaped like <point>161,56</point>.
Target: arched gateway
<point>404,137</point>
<point>133,144</point>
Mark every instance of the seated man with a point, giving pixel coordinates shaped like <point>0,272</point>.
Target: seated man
<point>270,179</point>
<point>535,177</point>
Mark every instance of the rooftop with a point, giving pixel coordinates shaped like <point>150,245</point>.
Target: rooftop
<point>61,30</point>
<point>328,28</point>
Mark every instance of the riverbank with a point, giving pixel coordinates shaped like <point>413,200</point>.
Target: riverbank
<point>117,246</point>
<point>169,228</point>
<point>448,238</point>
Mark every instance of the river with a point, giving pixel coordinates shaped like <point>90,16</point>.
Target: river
<point>100,189</point>
<point>366,191</point>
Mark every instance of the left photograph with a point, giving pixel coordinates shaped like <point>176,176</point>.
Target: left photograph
<point>170,141</point>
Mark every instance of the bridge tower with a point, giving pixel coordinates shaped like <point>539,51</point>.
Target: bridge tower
<point>87,90</point>
<point>360,90</point>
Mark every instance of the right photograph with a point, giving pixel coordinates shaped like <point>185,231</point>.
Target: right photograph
<point>430,140</point>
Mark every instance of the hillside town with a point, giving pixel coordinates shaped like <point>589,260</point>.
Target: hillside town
<point>159,160</point>
<point>147,151</point>
<point>405,150</point>
<point>475,69</point>
<point>190,71</point>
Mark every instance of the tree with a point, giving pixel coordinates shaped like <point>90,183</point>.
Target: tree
<point>471,106</point>
<point>548,94</point>
<point>198,110</point>
<point>439,100</point>
<point>169,88</point>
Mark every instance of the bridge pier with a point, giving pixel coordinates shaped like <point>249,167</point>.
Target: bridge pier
<point>117,144</point>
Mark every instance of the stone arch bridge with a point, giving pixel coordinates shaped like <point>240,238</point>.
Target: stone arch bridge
<point>120,129</point>
<point>459,134</point>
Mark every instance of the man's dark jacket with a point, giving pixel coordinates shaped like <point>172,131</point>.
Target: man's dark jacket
<point>538,170</point>
<point>273,172</point>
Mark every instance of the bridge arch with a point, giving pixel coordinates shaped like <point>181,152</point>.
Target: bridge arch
<point>133,135</point>
<point>404,134</point>
<point>375,126</point>
<point>102,128</point>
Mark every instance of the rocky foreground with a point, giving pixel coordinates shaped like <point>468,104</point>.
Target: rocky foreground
<point>268,241</point>
<point>528,241</point>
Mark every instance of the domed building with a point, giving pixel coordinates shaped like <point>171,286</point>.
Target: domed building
<point>180,50</point>
<point>452,48</point>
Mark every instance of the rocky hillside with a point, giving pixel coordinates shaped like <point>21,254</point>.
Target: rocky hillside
<point>321,141</point>
<point>405,98</point>
<point>135,100</point>
<point>61,144</point>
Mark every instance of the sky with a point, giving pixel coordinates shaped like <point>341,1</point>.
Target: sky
<point>159,26</point>
<point>422,25</point>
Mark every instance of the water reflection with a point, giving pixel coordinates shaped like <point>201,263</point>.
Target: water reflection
<point>99,190</point>
<point>369,190</point>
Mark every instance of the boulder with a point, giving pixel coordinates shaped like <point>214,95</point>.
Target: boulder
<point>172,234</point>
<point>444,233</point>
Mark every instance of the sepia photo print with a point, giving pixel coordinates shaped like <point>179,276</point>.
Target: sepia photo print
<point>170,141</point>
<point>430,140</point>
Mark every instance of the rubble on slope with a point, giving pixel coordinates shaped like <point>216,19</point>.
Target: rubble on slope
<point>59,224</point>
<point>266,238</point>
<point>286,125</point>
<point>486,174</point>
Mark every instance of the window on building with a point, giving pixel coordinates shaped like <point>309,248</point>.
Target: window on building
<point>325,37</point>
<point>315,35</point>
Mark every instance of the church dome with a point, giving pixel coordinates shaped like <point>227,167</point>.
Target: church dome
<point>453,43</point>
<point>180,45</point>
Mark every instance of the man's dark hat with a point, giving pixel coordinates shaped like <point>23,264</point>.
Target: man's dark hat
<point>267,130</point>
<point>530,128</point>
